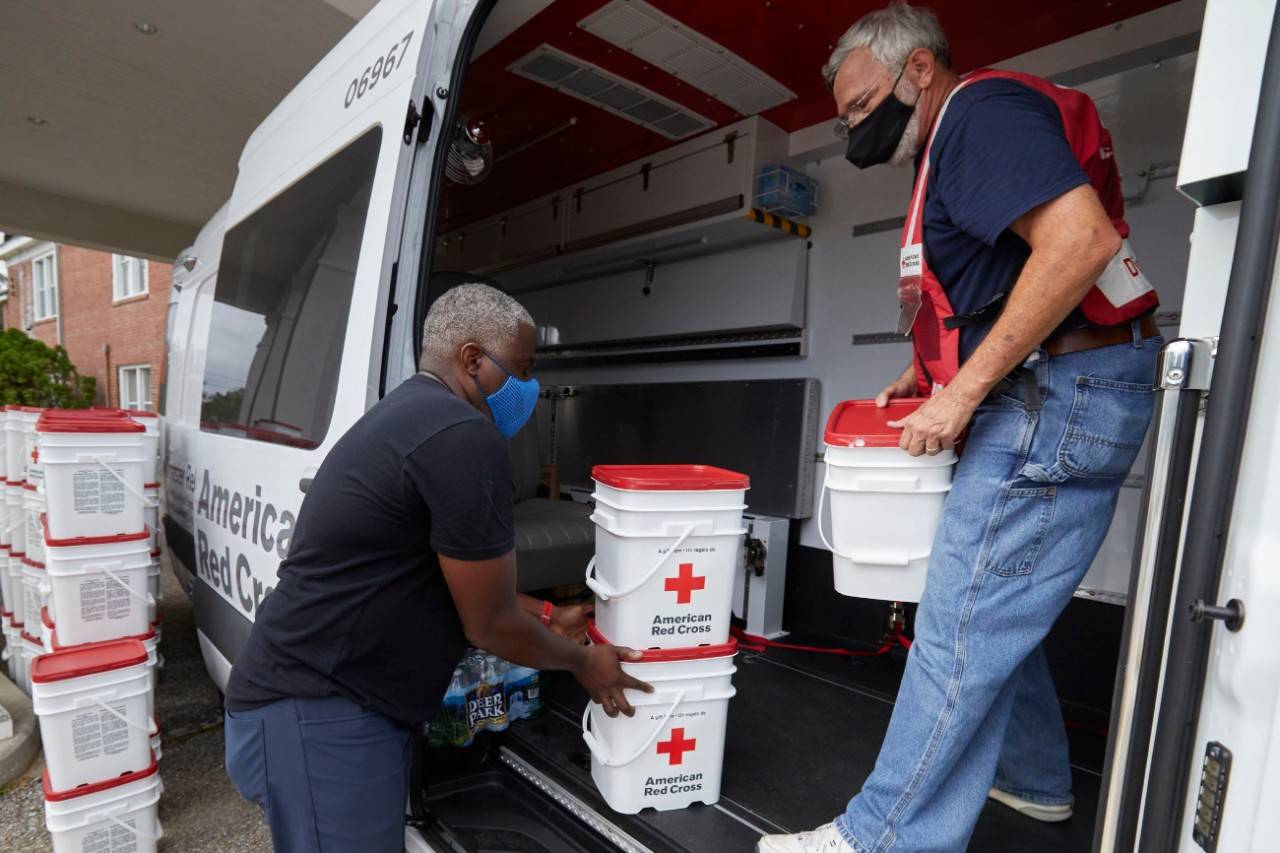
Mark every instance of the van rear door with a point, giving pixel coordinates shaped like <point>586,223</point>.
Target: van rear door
<point>298,318</point>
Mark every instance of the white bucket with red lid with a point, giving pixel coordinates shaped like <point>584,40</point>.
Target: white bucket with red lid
<point>31,648</point>
<point>151,441</point>
<point>93,479</point>
<point>92,705</point>
<point>19,424</point>
<point>885,503</point>
<point>671,753</point>
<point>6,585</point>
<point>31,575</point>
<point>150,641</point>
<point>11,654</point>
<point>33,506</point>
<point>15,518</point>
<point>117,815</point>
<point>98,585</point>
<point>668,542</point>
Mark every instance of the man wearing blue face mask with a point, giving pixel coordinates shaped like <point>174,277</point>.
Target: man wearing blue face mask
<point>403,553</point>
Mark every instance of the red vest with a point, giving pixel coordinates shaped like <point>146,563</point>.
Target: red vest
<point>1122,293</point>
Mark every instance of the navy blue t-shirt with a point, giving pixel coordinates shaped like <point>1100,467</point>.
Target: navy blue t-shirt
<point>361,608</point>
<point>1000,151</point>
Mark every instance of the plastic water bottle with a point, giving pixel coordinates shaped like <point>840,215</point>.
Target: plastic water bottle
<point>450,726</point>
<point>493,677</point>
<point>524,701</point>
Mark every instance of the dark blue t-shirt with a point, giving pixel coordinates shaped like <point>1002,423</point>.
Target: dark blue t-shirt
<point>361,608</point>
<point>1000,151</point>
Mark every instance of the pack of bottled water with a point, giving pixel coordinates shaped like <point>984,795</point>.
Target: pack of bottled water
<point>486,694</point>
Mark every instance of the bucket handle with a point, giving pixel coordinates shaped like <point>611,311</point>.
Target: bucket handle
<point>598,749</point>
<point>13,525</point>
<point>137,494</point>
<point>122,718</point>
<point>145,598</point>
<point>138,832</point>
<point>822,502</point>
<point>605,593</point>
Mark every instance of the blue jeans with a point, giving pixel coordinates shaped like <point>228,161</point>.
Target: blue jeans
<point>329,775</point>
<point>1034,494</point>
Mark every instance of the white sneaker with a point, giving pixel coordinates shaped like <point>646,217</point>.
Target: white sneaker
<point>824,839</point>
<point>1036,811</point>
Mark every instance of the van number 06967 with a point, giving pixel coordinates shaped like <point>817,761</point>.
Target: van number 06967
<point>379,70</point>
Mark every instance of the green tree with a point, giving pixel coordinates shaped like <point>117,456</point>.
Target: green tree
<point>34,374</point>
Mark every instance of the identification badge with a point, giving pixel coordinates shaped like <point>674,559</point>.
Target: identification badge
<point>910,281</point>
<point>1123,281</point>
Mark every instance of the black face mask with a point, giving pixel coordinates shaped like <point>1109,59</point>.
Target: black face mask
<point>877,136</point>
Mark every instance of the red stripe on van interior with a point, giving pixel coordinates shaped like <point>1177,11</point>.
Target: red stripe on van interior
<point>667,478</point>
<point>50,542</point>
<point>719,650</point>
<point>88,659</point>
<point>58,796</point>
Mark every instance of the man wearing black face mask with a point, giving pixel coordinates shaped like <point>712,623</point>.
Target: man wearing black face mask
<point>403,553</point>
<point>1031,329</point>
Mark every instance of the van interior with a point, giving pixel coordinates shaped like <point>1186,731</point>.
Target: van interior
<point>657,181</point>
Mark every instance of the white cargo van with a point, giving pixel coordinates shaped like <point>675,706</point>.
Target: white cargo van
<point>657,181</point>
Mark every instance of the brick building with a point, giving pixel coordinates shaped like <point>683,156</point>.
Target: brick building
<point>107,310</point>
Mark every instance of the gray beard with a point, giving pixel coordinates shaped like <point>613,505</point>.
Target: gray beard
<point>909,144</point>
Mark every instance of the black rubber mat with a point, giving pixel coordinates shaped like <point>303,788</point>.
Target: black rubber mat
<point>803,734</point>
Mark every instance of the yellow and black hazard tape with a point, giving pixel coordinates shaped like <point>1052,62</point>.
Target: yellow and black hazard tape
<point>789,226</point>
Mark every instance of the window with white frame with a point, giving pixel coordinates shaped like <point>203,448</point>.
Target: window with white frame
<point>128,276</point>
<point>135,387</point>
<point>44,287</point>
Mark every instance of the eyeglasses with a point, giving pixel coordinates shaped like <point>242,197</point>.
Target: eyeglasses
<point>844,124</point>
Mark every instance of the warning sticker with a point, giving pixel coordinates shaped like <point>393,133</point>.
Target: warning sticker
<point>97,732</point>
<point>104,598</point>
<point>97,491</point>
<point>112,838</point>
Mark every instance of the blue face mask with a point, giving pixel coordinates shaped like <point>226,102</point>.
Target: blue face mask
<point>513,403</point>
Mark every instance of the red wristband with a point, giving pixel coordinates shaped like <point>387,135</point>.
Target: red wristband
<point>546,613</point>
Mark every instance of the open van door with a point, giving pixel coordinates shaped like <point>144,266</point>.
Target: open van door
<point>289,345</point>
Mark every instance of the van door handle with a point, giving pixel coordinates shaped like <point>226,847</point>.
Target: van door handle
<point>304,484</point>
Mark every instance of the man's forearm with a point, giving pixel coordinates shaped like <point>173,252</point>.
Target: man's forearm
<point>520,637</point>
<point>1053,281</point>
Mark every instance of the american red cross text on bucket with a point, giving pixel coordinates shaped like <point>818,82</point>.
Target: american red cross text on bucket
<point>684,584</point>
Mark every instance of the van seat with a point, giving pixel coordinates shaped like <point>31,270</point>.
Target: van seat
<point>554,538</point>
<point>554,541</point>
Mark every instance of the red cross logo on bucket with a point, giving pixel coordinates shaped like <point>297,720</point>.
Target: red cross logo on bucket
<point>684,584</point>
<point>676,747</point>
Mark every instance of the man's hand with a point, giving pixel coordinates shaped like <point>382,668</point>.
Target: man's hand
<point>937,425</point>
<point>903,386</point>
<point>603,679</point>
<point>570,622</point>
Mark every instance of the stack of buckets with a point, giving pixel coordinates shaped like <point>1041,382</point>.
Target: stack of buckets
<point>79,586</point>
<point>668,541</point>
<point>885,503</point>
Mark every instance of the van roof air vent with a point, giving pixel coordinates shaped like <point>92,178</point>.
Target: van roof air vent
<point>662,41</point>
<point>579,79</point>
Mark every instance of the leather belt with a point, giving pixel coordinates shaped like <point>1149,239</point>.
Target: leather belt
<point>1096,337</point>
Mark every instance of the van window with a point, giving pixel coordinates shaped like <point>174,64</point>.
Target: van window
<point>281,301</point>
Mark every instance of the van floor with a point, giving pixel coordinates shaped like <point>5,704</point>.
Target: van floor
<point>804,731</point>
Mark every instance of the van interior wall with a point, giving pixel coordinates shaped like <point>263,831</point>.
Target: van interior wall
<point>851,292</point>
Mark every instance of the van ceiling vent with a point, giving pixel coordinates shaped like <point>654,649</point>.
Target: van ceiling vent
<point>664,42</point>
<point>606,90</point>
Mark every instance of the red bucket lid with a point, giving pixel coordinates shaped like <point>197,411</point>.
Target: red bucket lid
<point>33,640</point>
<point>53,796</point>
<point>74,541</point>
<point>146,637</point>
<point>669,478</point>
<point>45,617</point>
<point>860,423</point>
<point>28,409</point>
<point>88,659</point>
<point>150,485</point>
<point>120,413</point>
<point>719,650</point>
<point>83,420</point>
<point>35,564</point>
<point>30,487</point>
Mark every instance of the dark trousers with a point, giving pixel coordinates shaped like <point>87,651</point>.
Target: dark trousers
<point>329,775</point>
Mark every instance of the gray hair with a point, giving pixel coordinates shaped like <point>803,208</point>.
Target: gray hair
<point>470,313</point>
<point>891,33</point>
